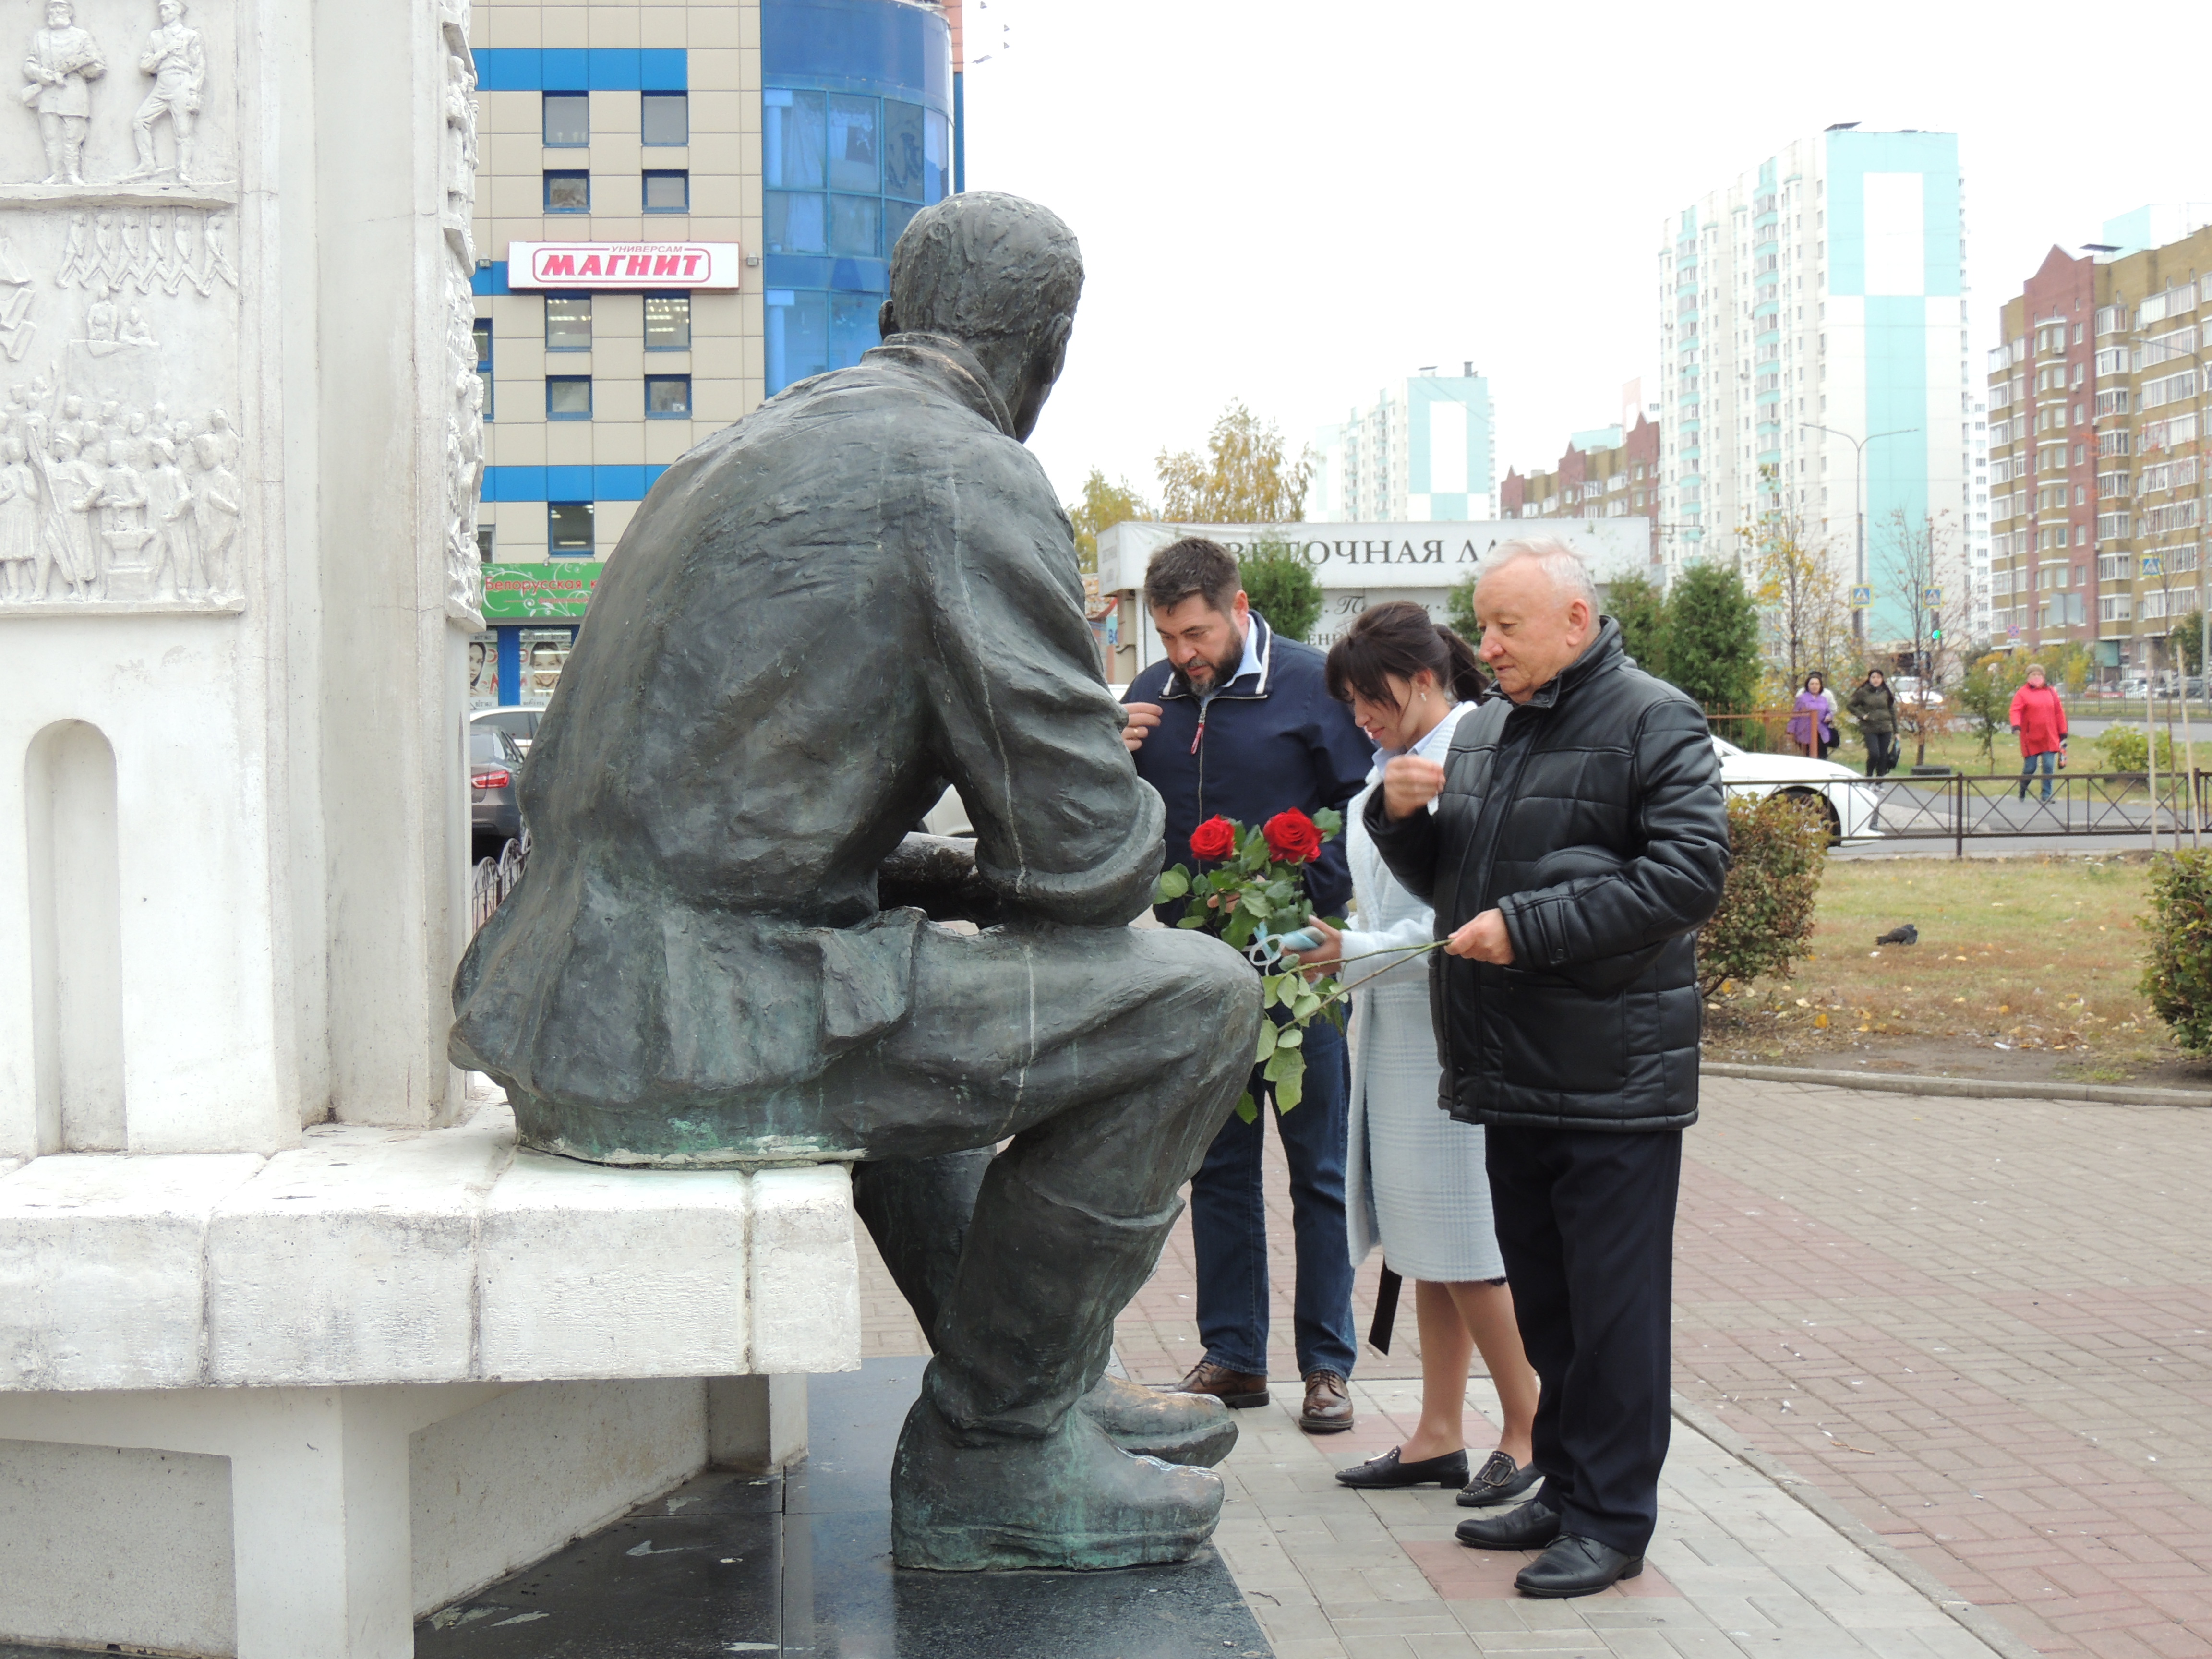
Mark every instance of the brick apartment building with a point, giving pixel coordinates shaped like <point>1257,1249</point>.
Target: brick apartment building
<point>1603,475</point>
<point>2097,476</point>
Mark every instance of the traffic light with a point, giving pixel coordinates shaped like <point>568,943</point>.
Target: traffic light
<point>1935,633</point>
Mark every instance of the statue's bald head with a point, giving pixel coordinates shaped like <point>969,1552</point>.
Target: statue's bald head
<point>1000,274</point>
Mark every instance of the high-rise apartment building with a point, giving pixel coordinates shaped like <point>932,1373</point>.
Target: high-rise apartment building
<point>2097,469</point>
<point>1424,451</point>
<point>681,209</point>
<point>1813,349</point>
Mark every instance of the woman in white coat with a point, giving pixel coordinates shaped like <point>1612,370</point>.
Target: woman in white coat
<point>1414,1178</point>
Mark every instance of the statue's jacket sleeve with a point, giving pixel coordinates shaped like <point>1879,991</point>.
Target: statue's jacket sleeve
<point>859,594</point>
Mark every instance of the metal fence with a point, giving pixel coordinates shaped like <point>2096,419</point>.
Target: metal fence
<point>492,879</point>
<point>1959,806</point>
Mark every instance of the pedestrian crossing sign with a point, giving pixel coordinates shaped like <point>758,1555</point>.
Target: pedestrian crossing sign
<point>1861,598</point>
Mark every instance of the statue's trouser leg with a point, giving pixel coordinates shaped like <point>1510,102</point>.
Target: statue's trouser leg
<point>1112,1056</point>
<point>917,1210</point>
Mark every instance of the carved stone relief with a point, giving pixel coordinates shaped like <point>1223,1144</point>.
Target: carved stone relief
<point>119,462</point>
<point>465,447</point>
<point>81,104</point>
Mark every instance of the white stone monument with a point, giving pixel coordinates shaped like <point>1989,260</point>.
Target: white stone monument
<point>293,1345</point>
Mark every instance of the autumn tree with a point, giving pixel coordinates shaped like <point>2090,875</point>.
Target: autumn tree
<point>1103,505</point>
<point>1794,581</point>
<point>1243,477</point>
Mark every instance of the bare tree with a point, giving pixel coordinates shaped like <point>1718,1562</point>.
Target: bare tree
<point>1925,570</point>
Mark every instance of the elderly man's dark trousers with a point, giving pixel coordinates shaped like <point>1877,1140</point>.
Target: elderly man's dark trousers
<point>1586,1224</point>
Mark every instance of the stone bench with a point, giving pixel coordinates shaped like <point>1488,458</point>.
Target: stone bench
<point>334,1388</point>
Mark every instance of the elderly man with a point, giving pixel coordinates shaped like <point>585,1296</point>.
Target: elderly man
<point>861,591</point>
<point>1571,843</point>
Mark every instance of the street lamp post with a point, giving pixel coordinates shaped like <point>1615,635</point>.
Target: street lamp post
<point>1858,498</point>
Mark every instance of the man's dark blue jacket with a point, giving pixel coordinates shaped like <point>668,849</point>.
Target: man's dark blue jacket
<point>1267,742</point>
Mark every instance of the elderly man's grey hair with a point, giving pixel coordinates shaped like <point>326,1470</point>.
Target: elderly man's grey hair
<point>1565,567</point>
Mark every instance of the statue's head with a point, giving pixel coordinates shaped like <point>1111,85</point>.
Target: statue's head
<point>60,14</point>
<point>1001,276</point>
<point>171,11</point>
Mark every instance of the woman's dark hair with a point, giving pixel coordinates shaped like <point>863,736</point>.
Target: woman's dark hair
<point>1815,675</point>
<point>1398,638</point>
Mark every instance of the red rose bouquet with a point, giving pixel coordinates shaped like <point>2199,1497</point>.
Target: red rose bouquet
<point>1253,897</point>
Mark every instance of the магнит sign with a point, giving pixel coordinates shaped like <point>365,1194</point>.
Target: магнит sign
<point>713,265</point>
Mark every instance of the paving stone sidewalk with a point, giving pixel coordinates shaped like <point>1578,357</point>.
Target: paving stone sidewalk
<point>1978,1327</point>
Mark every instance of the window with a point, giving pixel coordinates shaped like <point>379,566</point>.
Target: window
<point>568,120</point>
<point>567,191</point>
<point>483,361</point>
<point>568,322</point>
<point>665,118</point>
<point>2113,527</point>
<point>904,150</point>
<point>668,397</point>
<point>852,154</point>
<point>853,226</point>
<point>2113,443</point>
<point>2116,607</point>
<point>668,322</point>
<point>568,397</point>
<point>484,544</point>
<point>667,192</point>
<point>793,223</point>
<point>569,527</point>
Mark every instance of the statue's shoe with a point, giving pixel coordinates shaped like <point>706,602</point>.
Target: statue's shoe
<point>1175,1428</point>
<point>1071,1499</point>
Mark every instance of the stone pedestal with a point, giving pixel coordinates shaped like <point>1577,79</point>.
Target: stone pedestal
<point>266,1389</point>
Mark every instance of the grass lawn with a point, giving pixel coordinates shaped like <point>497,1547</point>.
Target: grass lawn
<point>2015,956</point>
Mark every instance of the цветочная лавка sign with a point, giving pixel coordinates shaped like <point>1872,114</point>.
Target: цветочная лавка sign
<point>624,264</point>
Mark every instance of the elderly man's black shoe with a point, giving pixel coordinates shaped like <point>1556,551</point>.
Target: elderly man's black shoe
<point>1530,1527</point>
<point>1576,1566</point>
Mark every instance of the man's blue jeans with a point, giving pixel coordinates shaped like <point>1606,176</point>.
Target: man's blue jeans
<point>2050,758</point>
<point>1229,1223</point>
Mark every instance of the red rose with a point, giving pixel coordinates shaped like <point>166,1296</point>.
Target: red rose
<point>1291,837</point>
<point>1215,838</point>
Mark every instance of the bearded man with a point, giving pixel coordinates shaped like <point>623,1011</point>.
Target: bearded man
<point>1236,722</point>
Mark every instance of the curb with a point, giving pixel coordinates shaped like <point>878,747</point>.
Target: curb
<point>1977,1621</point>
<point>1897,1083</point>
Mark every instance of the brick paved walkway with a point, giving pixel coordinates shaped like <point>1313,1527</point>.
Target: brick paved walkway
<point>1980,1325</point>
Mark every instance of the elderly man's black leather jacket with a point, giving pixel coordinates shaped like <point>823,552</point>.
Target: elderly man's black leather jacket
<point>1606,786</point>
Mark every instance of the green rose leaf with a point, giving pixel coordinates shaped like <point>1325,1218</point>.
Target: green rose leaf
<point>1246,1109</point>
<point>1267,1034</point>
<point>1172,884</point>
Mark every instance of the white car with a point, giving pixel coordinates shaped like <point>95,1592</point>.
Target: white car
<point>1908,688</point>
<point>1849,798</point>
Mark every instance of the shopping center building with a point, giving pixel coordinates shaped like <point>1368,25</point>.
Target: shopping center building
<point>681,209</point>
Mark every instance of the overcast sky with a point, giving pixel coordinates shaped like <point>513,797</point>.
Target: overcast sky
<point>1293,203</point>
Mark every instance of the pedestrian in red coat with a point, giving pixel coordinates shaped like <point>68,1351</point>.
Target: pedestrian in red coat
<point>2041,718</point>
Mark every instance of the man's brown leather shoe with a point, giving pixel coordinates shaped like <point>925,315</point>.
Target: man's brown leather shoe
<point>1329,1404</point>
<point>1235,1389</point>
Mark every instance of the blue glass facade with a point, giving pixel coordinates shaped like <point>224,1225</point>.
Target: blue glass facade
<point>856,137</point>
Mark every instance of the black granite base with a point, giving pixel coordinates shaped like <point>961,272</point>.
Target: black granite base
<point>801,1565</point>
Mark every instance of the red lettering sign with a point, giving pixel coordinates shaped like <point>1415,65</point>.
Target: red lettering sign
<point>556,264</point>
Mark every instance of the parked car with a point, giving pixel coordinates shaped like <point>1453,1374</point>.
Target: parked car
<point>1909,689</point>
<point>495,791</point>
<point>1847,798</point>
<point>518,722</point>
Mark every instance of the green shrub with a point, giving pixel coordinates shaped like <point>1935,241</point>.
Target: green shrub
<point>2178,979</point>
<point>1779,848</point>
<point>2124,748</point>
<point>1282,588</point>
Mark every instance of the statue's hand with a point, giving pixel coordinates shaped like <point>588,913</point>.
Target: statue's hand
<point>937,874</point>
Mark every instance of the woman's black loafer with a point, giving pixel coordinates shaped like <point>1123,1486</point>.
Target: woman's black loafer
<point>1499,1480</point>
<point>1449,1470</point>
